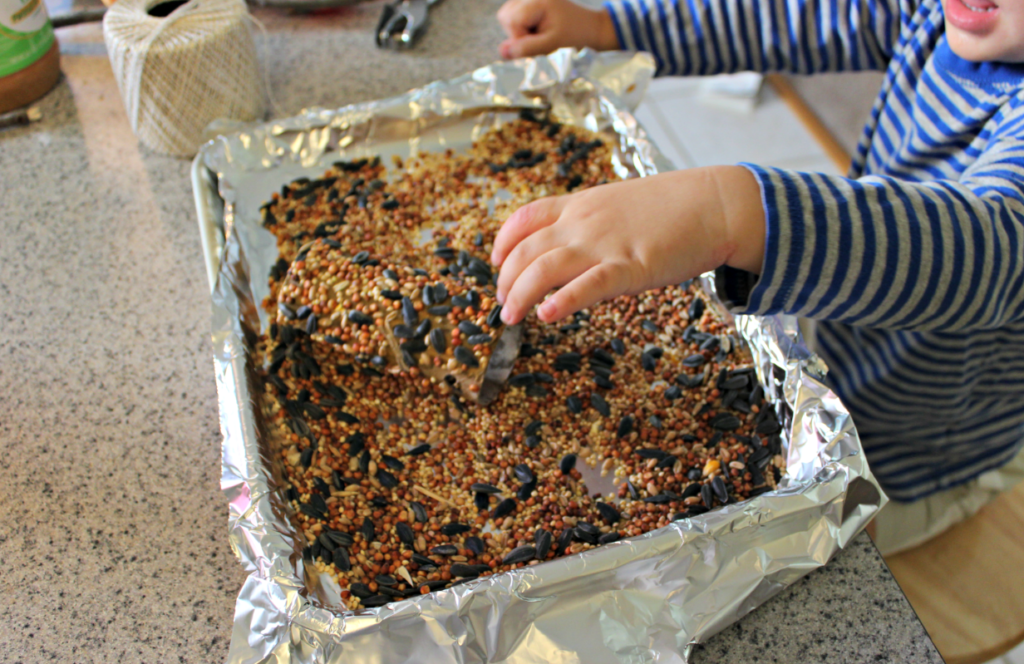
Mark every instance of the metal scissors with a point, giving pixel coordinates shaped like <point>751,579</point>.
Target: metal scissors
<point>402,22</point>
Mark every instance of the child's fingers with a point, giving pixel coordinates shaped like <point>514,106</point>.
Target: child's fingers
<point>555,268</point>
<point>539,44</point>
<point>525,253</point>
<point>601,282</point>
<point>521,17</point>
<point>524,222</point>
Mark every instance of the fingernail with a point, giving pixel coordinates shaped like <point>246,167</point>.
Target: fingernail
<point>545,311</point>
<point>500,297</point>
<point>506,317</point>
<point>504,49</point>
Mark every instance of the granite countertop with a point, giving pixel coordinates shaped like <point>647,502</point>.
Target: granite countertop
<point>113,533</point>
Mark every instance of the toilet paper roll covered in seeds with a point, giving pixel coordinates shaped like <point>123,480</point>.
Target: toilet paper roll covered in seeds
<point>181,66</point>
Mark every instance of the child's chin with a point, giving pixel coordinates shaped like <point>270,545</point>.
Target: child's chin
<point>988,48</point>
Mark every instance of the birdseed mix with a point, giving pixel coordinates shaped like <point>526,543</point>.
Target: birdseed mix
<point>400,484</point>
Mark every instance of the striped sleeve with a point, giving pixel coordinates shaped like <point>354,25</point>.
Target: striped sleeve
<point>698,37</point>
<point>880,252</point>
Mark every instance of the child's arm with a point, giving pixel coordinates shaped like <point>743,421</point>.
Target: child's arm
<point>717,36</point>
<point>875,252</point>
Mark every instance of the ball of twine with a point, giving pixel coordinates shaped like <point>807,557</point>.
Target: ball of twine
<point>180,72</point>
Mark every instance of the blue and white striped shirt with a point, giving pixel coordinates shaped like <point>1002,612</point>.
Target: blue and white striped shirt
<point>915,262</point>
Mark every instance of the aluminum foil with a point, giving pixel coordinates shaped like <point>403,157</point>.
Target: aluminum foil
<point>645,599</point>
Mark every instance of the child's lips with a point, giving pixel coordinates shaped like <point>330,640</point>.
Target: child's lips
<point>975,16</point>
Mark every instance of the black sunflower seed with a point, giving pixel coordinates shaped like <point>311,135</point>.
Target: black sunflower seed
<point>524,473</point>
<point>608,513</point>
<point>633,493</point>
<point>520,554</point>
<point>359,318</point>
<point>482,487</point>
<point>667,462</point>
<point>440,293</point>
<point>438,340</point>
<point>648,362</point>
<point>768,426</point>
<point>600,405</point>
<point>391,592</point>
<point>651,453</point>
<point>655,421</point>
<point>327,543</point>
<point>306,458</point>
<point>405,533</point>
<point>650,326</point>
<point>694,360</point>
<point>564,539</point>
<point>533,427</point>
<point>386,580</point>
<point>625,426</point>
<point>494,318</point>
<point>478,339</point>
<point>375,601</point>
<point>608,538</point>
<point>423,561</point>
<point>468,328</point>
<point>360,590</point>
<point>461,302</point>
<point>734,383</point>
<point>690,490</point>
<point>696,309</point>
<point>756,396</point>
<point>356,444</point>
<point>504,508</point>
<point>542,542</point>
<point>341,560</point>
<point>462,569</point>
<point>574,404</point>
<point>364,461</point>
<point>392,463</point>
<point>601,370</point>
<point>422,448</point>
<point>694,474</point>
<point>660,499</point>
<point>721,491</point>
<point>524,491</point>
<point>522,380</point>
<point>422,329</point>
<point>602,356</point>
<point>286,311</point>
<point>409,313</point>
<point>711,343</point>
<point>567,463</point>
<point>673,393</point>
<point>536,391</point>
<point>466,357</point>
<point>474,544</point>
<point>386,479</point>
<point>585,535</point>
<point>727,423</point>
<point>452,529</point>
<point>603,383</point>
<point>618,346</point>
<point>322,486</point>
<point>402,331</point>
<point>707,495</point>
<point>445,550</point>
<point>311,511</point>
<point>367,530</point>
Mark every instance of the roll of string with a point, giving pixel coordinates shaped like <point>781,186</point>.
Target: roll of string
<point>180,66</point>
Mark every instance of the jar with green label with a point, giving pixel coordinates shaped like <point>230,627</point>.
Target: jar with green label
<point>29,56</point>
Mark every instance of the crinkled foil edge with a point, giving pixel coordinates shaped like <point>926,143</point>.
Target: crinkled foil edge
<point>645,599</point>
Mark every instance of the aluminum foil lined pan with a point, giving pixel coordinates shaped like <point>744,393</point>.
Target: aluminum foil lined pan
<point>645,599</point>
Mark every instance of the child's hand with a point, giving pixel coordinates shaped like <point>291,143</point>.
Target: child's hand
<point>626,238</point>
<point>537,27</point>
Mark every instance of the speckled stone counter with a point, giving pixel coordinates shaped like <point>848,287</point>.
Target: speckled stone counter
<point>112,528</point>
